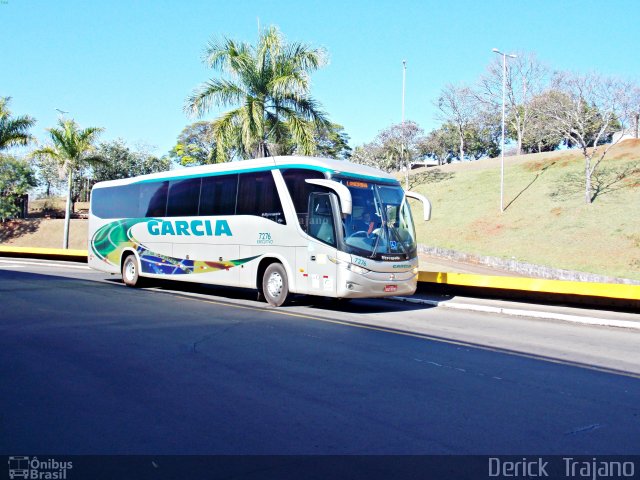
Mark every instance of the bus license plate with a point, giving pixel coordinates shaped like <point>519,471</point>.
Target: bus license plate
<point>390,288</point>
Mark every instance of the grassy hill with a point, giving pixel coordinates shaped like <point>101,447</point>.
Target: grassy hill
<point>546,221</point>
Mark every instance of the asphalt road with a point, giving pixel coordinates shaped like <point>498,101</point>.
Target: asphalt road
<point>88,366</point>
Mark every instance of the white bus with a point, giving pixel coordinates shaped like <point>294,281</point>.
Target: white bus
<point>279,224</point>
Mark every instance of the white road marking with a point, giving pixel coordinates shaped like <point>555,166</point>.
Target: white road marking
<point>19,264</point>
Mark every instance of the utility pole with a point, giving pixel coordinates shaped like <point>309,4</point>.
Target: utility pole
<point>504,88</point>
<point>406,163</point>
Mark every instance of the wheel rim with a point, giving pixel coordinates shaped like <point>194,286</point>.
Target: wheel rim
<point>274,285</point>
<point>130,270</point>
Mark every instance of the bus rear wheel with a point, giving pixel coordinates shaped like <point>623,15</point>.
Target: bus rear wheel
<point>275,286</point>
<point>130,272</point>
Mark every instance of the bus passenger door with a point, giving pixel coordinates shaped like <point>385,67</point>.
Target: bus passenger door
<point>321,252</point>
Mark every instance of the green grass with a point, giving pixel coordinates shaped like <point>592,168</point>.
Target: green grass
<point>546,221</point>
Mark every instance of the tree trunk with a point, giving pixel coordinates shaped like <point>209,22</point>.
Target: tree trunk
<point>461,148</point>
<point>519,142</point>
<point>587,190</point>
<point>67,213</point>
<point>637,122</point>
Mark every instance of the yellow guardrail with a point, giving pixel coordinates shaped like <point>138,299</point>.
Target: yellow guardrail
<point>606,290</point>
<point>49,252</point>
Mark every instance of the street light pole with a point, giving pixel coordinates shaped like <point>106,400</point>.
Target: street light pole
<point>404,79</point>
<point>504,88</point>
<point>406,166</point>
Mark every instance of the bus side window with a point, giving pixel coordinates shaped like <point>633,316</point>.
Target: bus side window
<point>218,195</point>
<point>153,199</point>
<point>321,225</point>
<point>116,202</point>
<point>299,190</point>
<point>183,198</point>
<point>258,195</point>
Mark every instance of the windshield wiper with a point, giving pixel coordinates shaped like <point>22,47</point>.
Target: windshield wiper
<point>397,236</point>
<point>375,246</point>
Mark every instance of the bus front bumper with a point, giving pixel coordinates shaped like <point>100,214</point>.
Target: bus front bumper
<point>375,284</point>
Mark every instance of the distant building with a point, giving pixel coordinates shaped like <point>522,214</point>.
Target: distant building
<point>623,135</point>
<point>627,133</point>
<point>425,163</point>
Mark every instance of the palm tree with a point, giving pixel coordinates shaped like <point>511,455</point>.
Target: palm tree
<point>13,131</point>
<point>72,149</point>
<point>269,85</point>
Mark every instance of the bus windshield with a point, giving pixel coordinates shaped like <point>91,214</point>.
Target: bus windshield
<point>380,225</point>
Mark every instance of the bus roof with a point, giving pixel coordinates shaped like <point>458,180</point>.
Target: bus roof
<point>336,167</point>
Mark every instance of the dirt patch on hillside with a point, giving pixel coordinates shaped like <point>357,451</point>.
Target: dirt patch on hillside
<point>484,228</point>
<point>557,211</point>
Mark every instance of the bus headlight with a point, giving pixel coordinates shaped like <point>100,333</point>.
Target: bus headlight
<point>357,269</point>
<point>415,270</point>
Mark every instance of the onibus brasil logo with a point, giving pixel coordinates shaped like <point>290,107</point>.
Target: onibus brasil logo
<point>33,468</point>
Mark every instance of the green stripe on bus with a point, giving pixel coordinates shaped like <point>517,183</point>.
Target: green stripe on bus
<point>268,168</point>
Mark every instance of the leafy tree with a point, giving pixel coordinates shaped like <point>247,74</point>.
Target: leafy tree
<point>120,161</point>
<point>196,145</point>
<point>481,139</point>
<point>483,135</point>
<point>270,83</point>
<point>586,110</point>
<point>16,178</point>
<point>526,77</point>
<point>458,107</point>
<point>540,136</point>
<point>441,144</point>
<point>48,174</point>
<point>73,149</point>
<point>370,154</point>
<point>393,148</point>
<point>332,142</point>
<point>593,134</point>
<point>13,131</point>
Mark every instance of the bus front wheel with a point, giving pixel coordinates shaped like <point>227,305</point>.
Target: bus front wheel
<point>130,273</point>
<point>275,287</point>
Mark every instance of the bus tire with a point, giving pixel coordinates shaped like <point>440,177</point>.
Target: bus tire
<point>275,286</point>
<point>130,271</point>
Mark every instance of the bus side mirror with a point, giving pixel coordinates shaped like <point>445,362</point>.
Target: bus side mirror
<point>425,202</point>
<point>346,203</point>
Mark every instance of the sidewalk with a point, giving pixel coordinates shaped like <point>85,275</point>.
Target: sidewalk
<point>587,316</point>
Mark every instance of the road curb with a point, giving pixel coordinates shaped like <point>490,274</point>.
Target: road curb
<point>522,313</point>
<point>582,292</point>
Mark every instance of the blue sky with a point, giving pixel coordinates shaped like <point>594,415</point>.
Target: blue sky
<point>128,66</point>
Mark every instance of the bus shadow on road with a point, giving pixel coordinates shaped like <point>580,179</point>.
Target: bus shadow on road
<point>250,296</point>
